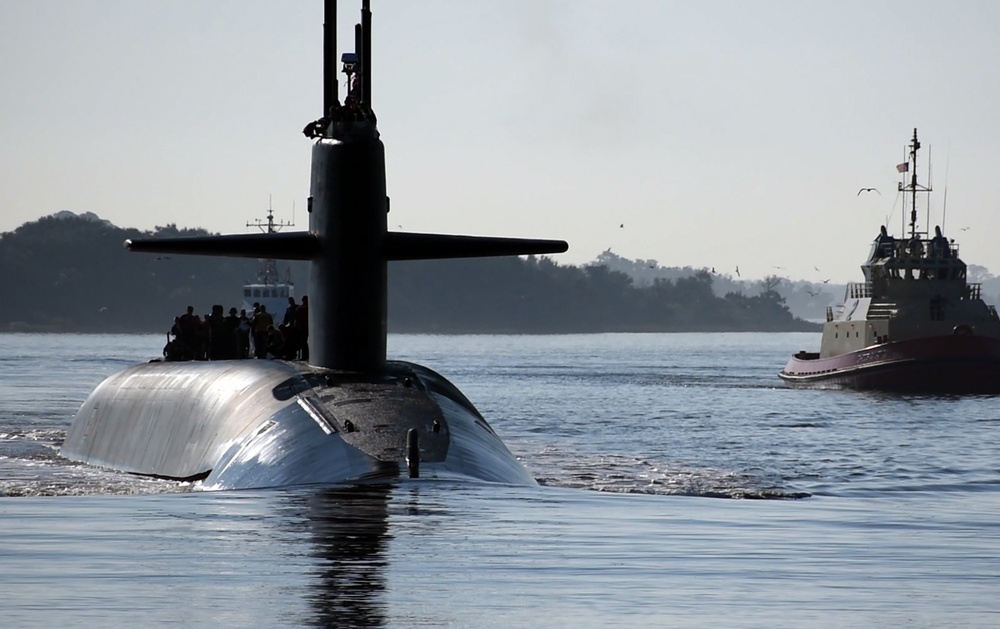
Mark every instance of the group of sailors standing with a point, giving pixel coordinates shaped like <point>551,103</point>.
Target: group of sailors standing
<point>254,335</point>
<point>888,247</point>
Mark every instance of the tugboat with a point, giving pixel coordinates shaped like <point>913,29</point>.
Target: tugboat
<point>914,325</point>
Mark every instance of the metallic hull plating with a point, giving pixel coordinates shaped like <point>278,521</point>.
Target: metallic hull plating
<point>252,424</point>
<point>941,364</point>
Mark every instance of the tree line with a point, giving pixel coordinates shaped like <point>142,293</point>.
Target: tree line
<point>72,274</point>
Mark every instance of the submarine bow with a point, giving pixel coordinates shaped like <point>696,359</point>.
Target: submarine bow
<point>349,414</point>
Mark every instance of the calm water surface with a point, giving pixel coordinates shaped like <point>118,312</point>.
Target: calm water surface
<point>683,485</point>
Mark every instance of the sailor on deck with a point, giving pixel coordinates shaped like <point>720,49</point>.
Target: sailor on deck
<point>940,247</point>
<point>885,245</point>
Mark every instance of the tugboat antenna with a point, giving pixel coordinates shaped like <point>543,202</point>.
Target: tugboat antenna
<point>913,188</point>
<point>930,182</point>
<point>914,147</point>
<point>944,201</point>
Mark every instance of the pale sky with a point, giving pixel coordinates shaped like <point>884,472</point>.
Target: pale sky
<point>719,133</point>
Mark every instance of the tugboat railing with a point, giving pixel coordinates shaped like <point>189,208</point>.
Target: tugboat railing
<point>862,290</point>
<point>859,290</point>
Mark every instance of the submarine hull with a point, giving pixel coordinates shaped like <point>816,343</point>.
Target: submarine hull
<point>351,415</point>
<point>256,424</point>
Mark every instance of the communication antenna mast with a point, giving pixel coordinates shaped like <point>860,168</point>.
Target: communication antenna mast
<point>930,184</point>
<point>910,166</point>
<point>944,201</point>
<point>269,268</point>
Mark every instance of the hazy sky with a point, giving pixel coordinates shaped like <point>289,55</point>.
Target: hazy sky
<point>719,133</point>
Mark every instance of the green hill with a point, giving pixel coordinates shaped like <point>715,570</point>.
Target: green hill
<point>70,273</point>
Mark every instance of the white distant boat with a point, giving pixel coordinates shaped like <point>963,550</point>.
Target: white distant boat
<point>269,290</point>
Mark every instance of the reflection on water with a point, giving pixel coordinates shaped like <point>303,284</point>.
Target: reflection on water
<point>429,553</point>
<point>350,534</point>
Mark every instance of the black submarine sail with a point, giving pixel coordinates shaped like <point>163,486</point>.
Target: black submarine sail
<point>350,414</point>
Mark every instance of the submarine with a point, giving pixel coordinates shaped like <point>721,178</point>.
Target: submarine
<point>346,415</point>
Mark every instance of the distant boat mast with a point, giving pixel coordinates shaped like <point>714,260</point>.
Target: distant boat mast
<point>269,268</point>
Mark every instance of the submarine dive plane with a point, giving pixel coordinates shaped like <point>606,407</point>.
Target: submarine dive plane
<point>349,415</point>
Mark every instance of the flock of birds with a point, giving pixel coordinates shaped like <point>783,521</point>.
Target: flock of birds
<point>826,281</point>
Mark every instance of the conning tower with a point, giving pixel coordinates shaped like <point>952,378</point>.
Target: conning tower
<point>348,243</point>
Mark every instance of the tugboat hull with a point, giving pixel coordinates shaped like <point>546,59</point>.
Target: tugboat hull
<point>949,364</point>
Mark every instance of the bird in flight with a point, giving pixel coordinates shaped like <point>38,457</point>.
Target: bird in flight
<point>812,294</point>
<point>868,190</point>
<point>738,271</point>
<point>826,281</point>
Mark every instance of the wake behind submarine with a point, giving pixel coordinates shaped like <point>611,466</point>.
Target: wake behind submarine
<point>348,415</point>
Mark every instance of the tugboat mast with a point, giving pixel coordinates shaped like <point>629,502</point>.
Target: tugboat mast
<point>913,188</point>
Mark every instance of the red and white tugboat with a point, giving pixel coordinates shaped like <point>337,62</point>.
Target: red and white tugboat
<point>915,324</point>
